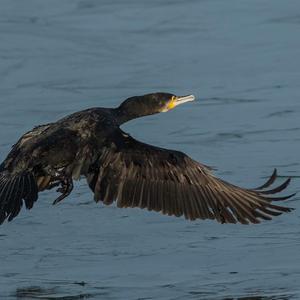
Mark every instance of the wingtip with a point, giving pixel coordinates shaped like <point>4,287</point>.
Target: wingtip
<point>269,182</point>
<point>278,189</point>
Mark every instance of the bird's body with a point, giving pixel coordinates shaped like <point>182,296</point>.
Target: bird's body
<point>68,143</point>
<point>118,168</point>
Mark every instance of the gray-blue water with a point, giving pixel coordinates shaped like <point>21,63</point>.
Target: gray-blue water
<point>242,61</point>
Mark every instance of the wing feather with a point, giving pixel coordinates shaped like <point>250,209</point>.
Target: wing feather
<point>139,175</point>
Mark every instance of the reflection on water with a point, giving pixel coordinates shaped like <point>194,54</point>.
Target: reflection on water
<point>51,293</point>
<point>69,293</point>
<point>240,59</point>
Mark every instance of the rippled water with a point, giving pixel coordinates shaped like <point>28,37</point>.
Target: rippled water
<point>241,60</point>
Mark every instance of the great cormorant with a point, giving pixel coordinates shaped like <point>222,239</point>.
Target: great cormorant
<point>119,168</point>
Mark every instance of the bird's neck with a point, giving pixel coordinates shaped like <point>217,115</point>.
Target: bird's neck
<point>122,115</point>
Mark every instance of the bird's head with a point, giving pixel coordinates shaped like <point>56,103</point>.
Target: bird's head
<point>150,104</point>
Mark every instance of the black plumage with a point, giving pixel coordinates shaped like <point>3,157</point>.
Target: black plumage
<point>119,168</point>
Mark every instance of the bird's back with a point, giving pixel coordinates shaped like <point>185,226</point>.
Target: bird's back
<point>58,142</point>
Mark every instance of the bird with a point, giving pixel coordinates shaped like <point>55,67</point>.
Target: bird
<point>118,168</point>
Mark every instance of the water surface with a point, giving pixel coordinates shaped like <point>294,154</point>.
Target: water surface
<point>241,60</point>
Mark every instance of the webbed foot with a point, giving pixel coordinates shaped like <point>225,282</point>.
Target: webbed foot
<point>65,189</point>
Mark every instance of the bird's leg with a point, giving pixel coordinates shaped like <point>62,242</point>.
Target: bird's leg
<point>65,189</point>
<point>53,184</point>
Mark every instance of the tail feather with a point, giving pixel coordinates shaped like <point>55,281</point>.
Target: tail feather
<point>16,200</point>
<point>31,191</point>
<point>13,190</point>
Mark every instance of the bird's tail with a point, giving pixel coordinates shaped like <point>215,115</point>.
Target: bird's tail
<point>13,190</point>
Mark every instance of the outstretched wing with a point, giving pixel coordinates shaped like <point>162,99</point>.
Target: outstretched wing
<point>139,175</point>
